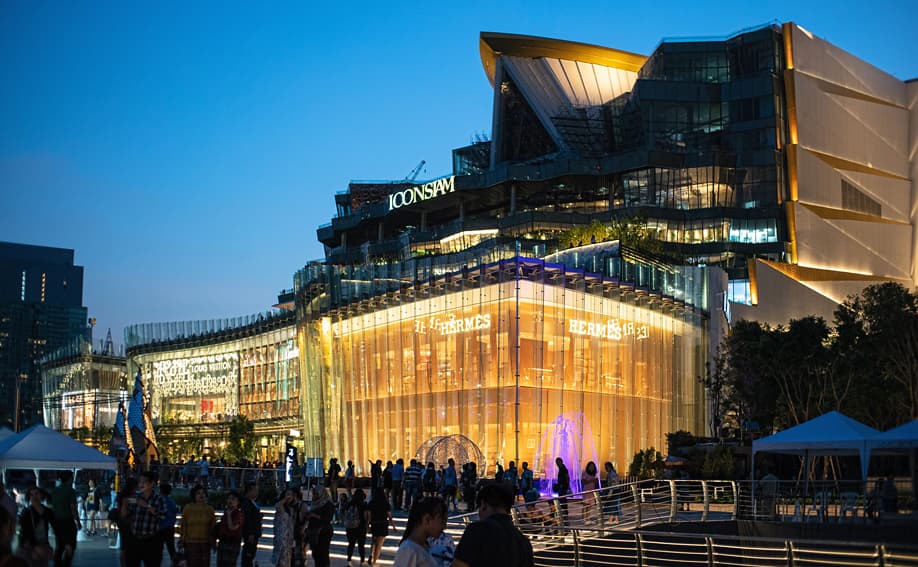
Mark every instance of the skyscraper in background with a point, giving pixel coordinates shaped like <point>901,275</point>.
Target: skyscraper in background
<point>41,309</point>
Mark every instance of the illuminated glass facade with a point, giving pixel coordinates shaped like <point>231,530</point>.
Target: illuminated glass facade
<point>82,389</point>
<point>497,351</point>
<point>199,381</point>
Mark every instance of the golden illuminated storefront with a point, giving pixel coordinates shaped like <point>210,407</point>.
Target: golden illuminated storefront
<point>510,355</point>
<point>198,384</point>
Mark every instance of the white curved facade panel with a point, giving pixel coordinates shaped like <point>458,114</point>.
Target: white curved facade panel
<point>821,184</point>
<point>860,247</point>
<point>866,133</point>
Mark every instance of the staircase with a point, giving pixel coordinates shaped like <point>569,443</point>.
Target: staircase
<point>454,527</point>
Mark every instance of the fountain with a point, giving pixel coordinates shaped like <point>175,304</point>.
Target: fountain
<point>570,437</point>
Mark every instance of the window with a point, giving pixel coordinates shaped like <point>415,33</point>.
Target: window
<point>853,199</point>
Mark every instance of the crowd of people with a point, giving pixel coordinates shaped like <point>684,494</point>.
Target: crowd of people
<point>306,513</point>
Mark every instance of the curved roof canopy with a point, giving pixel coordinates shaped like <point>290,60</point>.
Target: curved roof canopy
<point>494,44</point>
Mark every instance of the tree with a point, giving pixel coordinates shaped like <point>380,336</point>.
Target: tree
<point>716,385</point>
<point>750,393</point>
<point>632,232</point>
<point>865,367</point>
<point>241,439</point>
<point>877,350</point>
<point>798,365</point>
<point>719,463</point>
<point>646,464</point>
<point>679,440</point>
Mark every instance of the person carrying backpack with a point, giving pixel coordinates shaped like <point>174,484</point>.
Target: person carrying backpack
<point>429,481</point>
<point>355,525</point>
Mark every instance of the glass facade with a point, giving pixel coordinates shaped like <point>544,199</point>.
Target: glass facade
<point>82,389</point>
<point>198,384</point>
<point>499,353</point>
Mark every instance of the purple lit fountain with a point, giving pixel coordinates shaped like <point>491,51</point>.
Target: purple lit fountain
<point>570,437</point>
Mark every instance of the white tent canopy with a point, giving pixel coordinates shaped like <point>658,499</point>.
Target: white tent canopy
<point>40,448</point>
<point>829,434</point>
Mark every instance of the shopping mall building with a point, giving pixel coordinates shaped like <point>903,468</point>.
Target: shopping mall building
<point>775,169</point>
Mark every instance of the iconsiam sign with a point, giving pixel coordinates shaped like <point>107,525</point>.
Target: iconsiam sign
<point>391,373</point>
<point>420,193</point>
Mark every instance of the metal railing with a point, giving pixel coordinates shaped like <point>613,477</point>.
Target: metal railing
<point>601,527</point>
<point>595,547</point>
<point>645,503</point>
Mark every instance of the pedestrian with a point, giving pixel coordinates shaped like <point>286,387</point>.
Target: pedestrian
<point>613,503</point>
<point>198,528</point>
<point>66,520</point>
<point>282,555</point>
<point>562,486</point>
<point>319,530</point>
<point>93,498</point>
<point>340,507</point>
<point>398,486</point>
<point>7,531</point>
<point>350,478</point>
<point>34,543</point>
<point>429,480</point>
<point>451,484</point>
<point>204,467</point>
<point>493,540</point>
<point>7,502</point>
<point>512,477</point>
<point>426,520</point>
<point>412,482</point>
<point>375,477</point>
<point>527,483</point>
<point>251,524</point>
<point>470,492</point>
<point>334,474</point>
<point>142,515</point>
<point>589,483</point>
<point>355,525</point>
<point>230,531</point>
<point>379,517</point>
<point>563,481</point>
<point>119,518</point>
<point>387,480</point>
<point>167,520</point>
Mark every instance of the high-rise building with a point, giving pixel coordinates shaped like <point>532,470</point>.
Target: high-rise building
<point>41,296</point>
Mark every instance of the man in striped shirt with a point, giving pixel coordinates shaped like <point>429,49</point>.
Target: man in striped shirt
<point>412,482</point>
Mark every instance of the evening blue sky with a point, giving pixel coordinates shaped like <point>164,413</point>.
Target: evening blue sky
<point>189,150</point>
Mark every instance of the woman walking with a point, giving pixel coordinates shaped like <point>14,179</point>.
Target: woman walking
<point>613,504</point>
<point>379,516</point>
<point>197,528</point>
<point>230,532</point>
<point>355,525</point>
<point>319,530</point>
<point>589,483</point>
<point>283,530</point>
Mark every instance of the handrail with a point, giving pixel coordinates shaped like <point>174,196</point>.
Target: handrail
<point>636,505</point>
<point>604,546</point>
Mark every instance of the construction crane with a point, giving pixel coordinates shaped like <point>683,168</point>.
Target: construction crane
<point>414,172</point>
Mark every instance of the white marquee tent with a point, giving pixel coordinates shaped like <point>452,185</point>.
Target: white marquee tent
<point>39,448</point>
